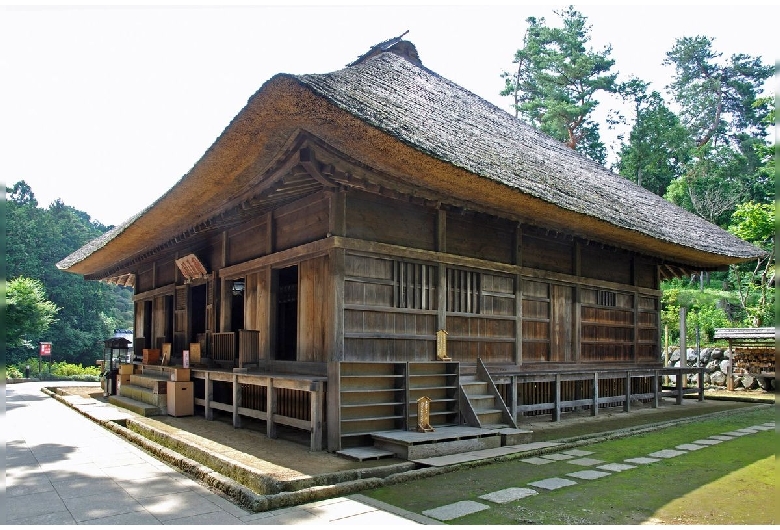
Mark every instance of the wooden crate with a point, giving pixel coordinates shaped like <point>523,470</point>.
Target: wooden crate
<point>151,356</point>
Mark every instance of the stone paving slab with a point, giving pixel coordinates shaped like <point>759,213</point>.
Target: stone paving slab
<point>764,427</point>
<point>577,452</point>
<point>508,495</point>
<point>455,510</point>
<point>534,446</point>
<point>707,442</point>
<point>735,433</point>
<point>586,462</point>
<point>641,460</point>
<point>588,474</point>
<point>722,437</point>
<point>689,447</point>
<point>616,467</point>
<point>748,430</point>
<point>666,453</point>
<point>558,456</point>
<point>553,483</point>
<point>537,461</point>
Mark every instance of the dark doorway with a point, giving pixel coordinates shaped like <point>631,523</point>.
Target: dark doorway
<point>147,331</point>
<point>198,300</point>
<point>287,314</point>
<point>237,305</point>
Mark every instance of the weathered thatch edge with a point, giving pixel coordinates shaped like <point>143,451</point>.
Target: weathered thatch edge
<point>353,483</point>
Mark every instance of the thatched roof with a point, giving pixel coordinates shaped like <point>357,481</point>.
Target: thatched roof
<point>404,120</point>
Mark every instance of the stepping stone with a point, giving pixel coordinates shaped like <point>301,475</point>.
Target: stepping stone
<point>552,483</point>
<point>558,456</point>
<point>721,437</point>
<point>455,510</point>
<point>641,460</point>
<point>689,447</point>
<point>586,462</point>
<point>666,453</point>
<point>764,427</point>
<point>616,467</point>
<point>748,430</point>
<point>577,452</point>
<point>508,495</point>
<point>588,474</point>
<point>534,446</point>
<point>537,461</point>
<point>767,424</point>
<point>707,442</point>
<point>735,433</point>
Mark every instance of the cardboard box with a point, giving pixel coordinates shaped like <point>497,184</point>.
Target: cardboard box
<point>181,398</point>
<point>126,369</point>
<point>194,353</point>
<point>180,374</point>
<point>151,356</point>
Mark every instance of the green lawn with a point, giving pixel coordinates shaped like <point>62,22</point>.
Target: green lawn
<point>729,483</point>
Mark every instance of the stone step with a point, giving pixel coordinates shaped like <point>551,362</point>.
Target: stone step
<point>139,407</point>
<point>410,445</point>
<point>143,394</point>
<point>153,382</point>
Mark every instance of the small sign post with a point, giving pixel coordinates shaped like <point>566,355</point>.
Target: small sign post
<point>44,350</point>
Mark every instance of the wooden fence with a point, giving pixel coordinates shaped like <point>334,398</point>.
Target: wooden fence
<point>552,393</point>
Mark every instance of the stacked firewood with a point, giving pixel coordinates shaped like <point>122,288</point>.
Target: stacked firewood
<point>754,360</point>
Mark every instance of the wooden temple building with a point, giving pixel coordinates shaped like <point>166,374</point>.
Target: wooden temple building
<point>356,240</point>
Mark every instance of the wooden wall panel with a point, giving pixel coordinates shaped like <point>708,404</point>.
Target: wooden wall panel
<point>606,264</point>
<point>646,274</point>
<point>547,253</point>
<point>301,222</point>
<point>247,241</point>
<point>144,279</point>
<point>166,272</point>
<point>314,309</point>
<point>561,336</point>
<point>373,218</point>
<point>480,236</point>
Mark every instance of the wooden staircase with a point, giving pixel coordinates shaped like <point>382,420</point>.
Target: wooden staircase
<point>481,403</point>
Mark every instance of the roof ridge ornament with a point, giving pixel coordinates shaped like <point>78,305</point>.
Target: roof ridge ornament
<point>395,45</point>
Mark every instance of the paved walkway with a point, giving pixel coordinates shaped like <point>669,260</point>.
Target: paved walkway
<point>61,468</point>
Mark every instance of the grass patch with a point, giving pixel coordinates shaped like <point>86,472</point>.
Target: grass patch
<point>646,493</point>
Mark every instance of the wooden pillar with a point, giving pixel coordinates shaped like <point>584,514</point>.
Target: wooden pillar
<point>556,416</point>
<point>701,383</point>
<point>209,395</point>
<point>595,410</point>
<point>730,371</point>
<point>627,402</point>
<point>513,396</point>
<point>656,392</point>
<point>316,395</point>
<point>333,399</point>
<point>270,426</point>
<point>236,402</point>
<point>518,320</point>
<point>683,355</point>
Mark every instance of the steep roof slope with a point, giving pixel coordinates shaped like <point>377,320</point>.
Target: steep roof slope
<point>491,155</point>
<point>435,115</point>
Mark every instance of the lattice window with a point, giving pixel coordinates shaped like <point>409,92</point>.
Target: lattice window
<point>463,291</point>
<point>415,285</point>
<point>606,298</point>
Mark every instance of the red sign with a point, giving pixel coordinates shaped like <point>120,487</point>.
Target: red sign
<point>45,349</point>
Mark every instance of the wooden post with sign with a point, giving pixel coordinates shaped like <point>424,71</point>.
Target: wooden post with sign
<point>424,414</point>
<point>44,350</point>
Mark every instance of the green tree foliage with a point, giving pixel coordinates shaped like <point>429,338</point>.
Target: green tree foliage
<point>658,146</point>
<point>557,80</point>
<point>726,118</point>
<point>38,238</point>
<point>28,313</point>
<point>755,281</point>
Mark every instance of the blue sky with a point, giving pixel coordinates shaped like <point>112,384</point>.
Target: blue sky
<point>107,108</point>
